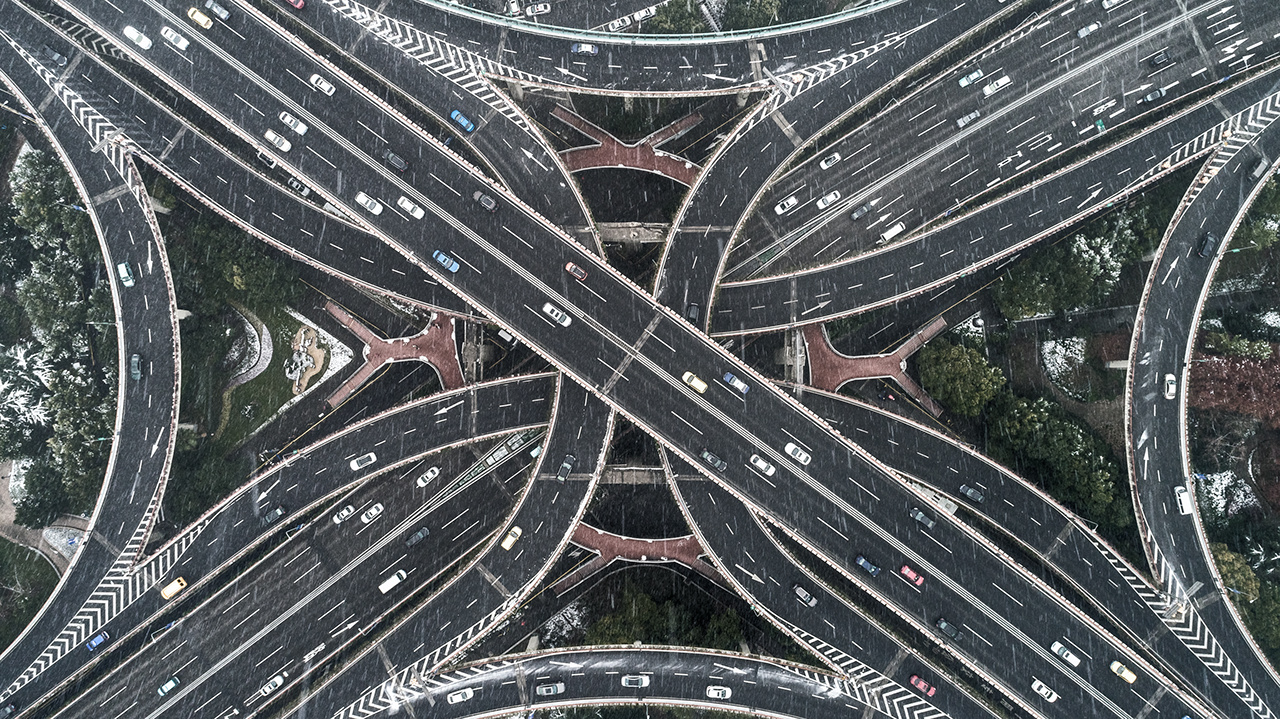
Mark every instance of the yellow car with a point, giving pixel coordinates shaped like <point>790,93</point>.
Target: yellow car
<point>199,18</point>
<point>1124,672</point>
<point>173,588</point>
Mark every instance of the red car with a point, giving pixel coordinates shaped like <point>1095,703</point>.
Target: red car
<point>297,4</point>
<point>925,688</point>
<point>912,575</point>
<point>578,273</point>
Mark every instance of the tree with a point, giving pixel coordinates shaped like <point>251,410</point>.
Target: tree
<point>1227,344</point>
<point>1236,574</point>
<point>24,416</point>
<point>959,377</point>
<point>678,17</point>
<point>44,497</point>
<point>748,14</point>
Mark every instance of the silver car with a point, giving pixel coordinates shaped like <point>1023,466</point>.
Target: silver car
<point>971,78</point>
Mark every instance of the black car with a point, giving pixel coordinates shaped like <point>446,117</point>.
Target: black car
<point>135,366</point>
<point>485,201</point>
<point>692,312</point>
<point>566,467</point>
<point>273,515</point>
<point>972,493</point>
<point>416,537</point>
<point>58,58</point>
<point>858,213</point>
<point>395,160</point>
<point>949,629</point>
<point>1159,59</point>
<point>714,461</point>
<point>1208,244</point>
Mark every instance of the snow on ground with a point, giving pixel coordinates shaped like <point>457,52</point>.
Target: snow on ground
<point>1270,319</point>
<point>566,624</point>
<point>1223,493</point>
<point>1060,358</point>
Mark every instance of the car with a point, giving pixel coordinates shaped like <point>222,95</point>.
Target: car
<point>417,536</point>
<point>368,203</point>
<point>297,4</point>
<point>995,86</point>
<point>1087,30</point>
<point>786,205</point>
<point>867,566</point>
<point>949,629</point>
<point>273,515</point>
<point>971,78</point>
<point>126,274</point>
<point>797,454</point>
<point>1208,244</point>
<point>718,692</point>
<point>98,640</point>
<point>342,514</point>
<point>557,315</point>
<point>135,366</point>
<point>713,461</point>
<point>1182,497</point>
<point>635,681</point>
<point>509,541</point>
<point>1158,59</point>
<point>1170,386</point>
<point>282,144</point>
<point>213,7</point>
<point>733,381</point>
<point>460,696</point>
<point>395,161</point>
<point>321,84</point>
<point>168,686</point>
<point>410,207</point>
<point>621,23</point>
<point>56,57</point>
<point>1065,654</point>
<point>693,381</point>
<point>138,38</point>
<point>1154,95</point>
<point>266,159</point>
<point>803,596</point>
<point>973,494</point>
<point>829,160</point>
<point>199,18</point>
<point>174,38</point>
<point>566,467</point>
<point>578,273</point>
<point>911,575</point>
<point>462,120</point>
<point>549,690</point>
<point>1043,690</point>
<point>172,588</point>
<point>537,9</point>
<point>828,199</point>
<point>293,123</point>
<point>921,517</point>
<point>485,201</point>
<point>9,710</point>
<point>584,48</point>
<point>645,13</point>
<point>298,187</point>
<point>363,461</point>
<point>429,475</point>
<point>924,687</point>
<point>968,118</point>
<point>445,261</point>
<point>860,212</point>
<point>371,513</point>
<point>765,468</point>
<point>692,312</point>
<point>1123,672</point>
<point>276,682</point>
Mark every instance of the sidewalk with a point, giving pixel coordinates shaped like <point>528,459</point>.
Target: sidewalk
<point>613,547</point>
<point>829,369</point>
<point>33,538</point>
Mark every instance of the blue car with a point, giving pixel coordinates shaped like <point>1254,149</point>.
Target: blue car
<point>97,641</point>
<point>735,383</point>
<point>445,261</point>
<point>462,120</point>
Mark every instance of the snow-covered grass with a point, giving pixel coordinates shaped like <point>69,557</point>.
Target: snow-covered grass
<point>568,624</point>
<point>1062,359</point>
<point>1223,494</point>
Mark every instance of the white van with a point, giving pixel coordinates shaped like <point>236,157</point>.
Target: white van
<point>390,582</point>
<point>1183,497</point>
<point>892,232</point>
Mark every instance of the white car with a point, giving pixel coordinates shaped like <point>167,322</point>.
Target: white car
<point>138,38</point>
<point>408,205</point>
<point>1170,386</point>
<point>276,682</point>
<point>619,24</point>
<point>369,203</point>
<point>363,461</point>
<point>557,315</point>
<point>371,513</point>
<point>718,692</point>
<point>278,140</point>
<point>174,38</point>
<point>541,8</point>
<point>971,78</point>
<point>321,84</point>
<point>1087,30</point>
<point>829,160</point>
<point>1065,654</point>
<point>786,205</point>
<point>797,454</point>
<point>460,696</point>
<point>1043,690</point>
<point>635,681</point>
<point>430,475</point>
<point>294,123</point>
<point>828,199</point>
<point>645,14</point>
<point>765,468</point>
<point>342,514</point>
